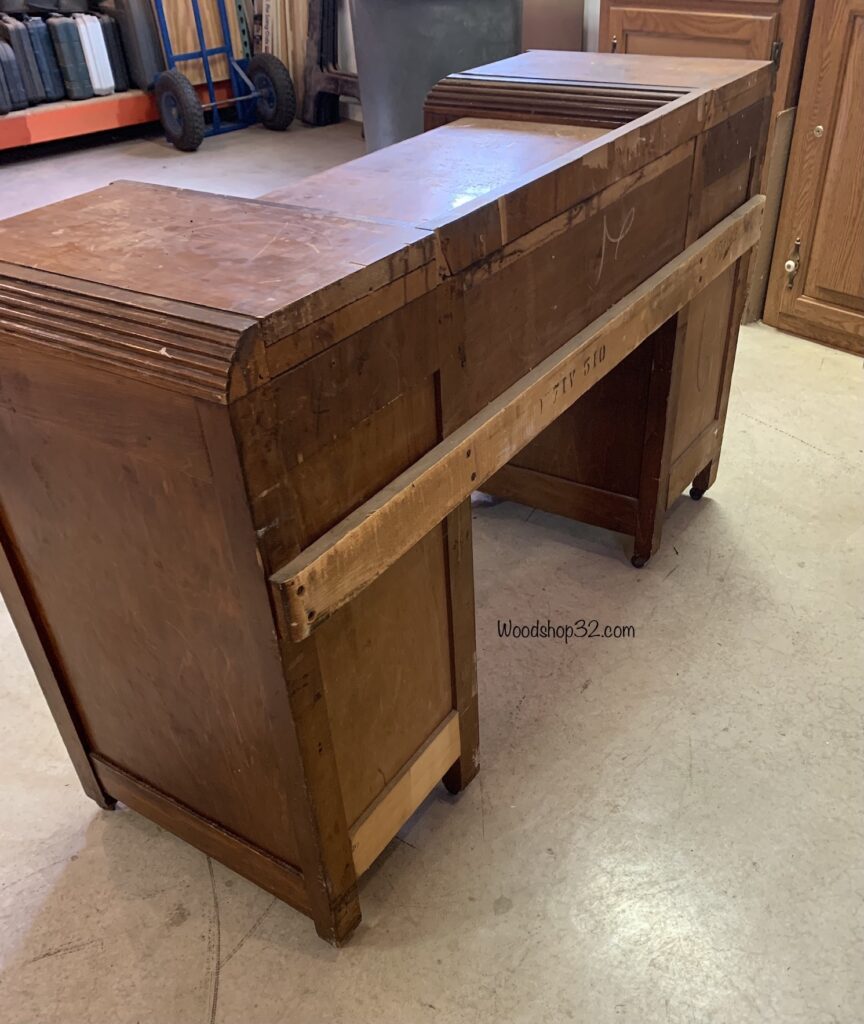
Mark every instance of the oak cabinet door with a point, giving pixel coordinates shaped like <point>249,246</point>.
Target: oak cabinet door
<point>816,287</point>
<point>672,32</point>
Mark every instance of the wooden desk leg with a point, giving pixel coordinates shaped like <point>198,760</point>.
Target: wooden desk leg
<point>317,805</point>
<point>656,451</point>
<point>706,477</point>
<point>460,585</point>
<point>702,481</point>
<point>459,554</point>
<point>725,163</point>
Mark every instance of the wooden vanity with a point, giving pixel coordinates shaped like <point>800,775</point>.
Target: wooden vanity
<point>620,457</point>
<point>238,440</point>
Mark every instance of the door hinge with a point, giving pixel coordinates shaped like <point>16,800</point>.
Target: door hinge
<point>776,50</point>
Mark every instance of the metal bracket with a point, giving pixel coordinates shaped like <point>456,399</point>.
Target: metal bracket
<point>325,82</point>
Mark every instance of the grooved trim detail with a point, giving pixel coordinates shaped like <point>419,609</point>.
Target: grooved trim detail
<point>181,347</point>
<point>606,105</point>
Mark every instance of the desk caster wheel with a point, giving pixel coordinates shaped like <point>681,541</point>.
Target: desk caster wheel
<point>696,493</point>
<point>637,561</point>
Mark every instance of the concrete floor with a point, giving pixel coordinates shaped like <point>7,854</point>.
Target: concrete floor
<point>666,829</point>
<point>247,163</point>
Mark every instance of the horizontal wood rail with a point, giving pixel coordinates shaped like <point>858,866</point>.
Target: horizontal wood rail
<point>366,543</point>
<point>380,823</point>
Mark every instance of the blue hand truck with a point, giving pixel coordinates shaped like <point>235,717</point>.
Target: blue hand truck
<point>261,88</point>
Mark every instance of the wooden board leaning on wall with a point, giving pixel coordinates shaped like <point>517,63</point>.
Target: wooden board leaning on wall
<point>284,32</point>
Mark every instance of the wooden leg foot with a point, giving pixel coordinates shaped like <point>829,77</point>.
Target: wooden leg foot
<point>460,775</point>
<point>460,564</point>
<point>637,561</point>
<point>338,924</point>
<point>703,480</point>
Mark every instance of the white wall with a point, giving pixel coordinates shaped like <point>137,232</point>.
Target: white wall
<point>346,40</point>
<point>347,60</point>
<point>591,23</point>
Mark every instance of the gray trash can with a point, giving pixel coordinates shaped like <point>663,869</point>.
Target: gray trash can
<point>404,47</point>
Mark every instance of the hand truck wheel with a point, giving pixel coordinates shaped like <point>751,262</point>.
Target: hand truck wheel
<point>180,110</point>
<point>276,104</point>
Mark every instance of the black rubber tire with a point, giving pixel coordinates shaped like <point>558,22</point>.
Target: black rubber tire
<point>277,106</point>
<point>180,110</point>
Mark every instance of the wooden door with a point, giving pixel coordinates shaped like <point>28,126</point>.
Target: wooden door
<point>821,234</point>
<point>744,29</point>
<point>677,32</point>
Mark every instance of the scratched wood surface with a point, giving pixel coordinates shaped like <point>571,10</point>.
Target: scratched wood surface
<point>238,255</point>
<point>566,66</point>
<point>231,380</point>
<point>429,178</point>
<point>541,287</point>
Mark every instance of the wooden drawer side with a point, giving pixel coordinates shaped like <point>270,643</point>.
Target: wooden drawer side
<point>115,503</point>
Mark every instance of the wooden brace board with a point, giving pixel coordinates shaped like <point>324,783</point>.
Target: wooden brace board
<point>351,555</point>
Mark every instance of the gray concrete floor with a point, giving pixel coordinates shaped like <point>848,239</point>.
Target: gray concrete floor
<point>666,829</point>
<point>247,163</point>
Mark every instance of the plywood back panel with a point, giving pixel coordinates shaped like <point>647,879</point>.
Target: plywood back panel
<point>386,667</point>
<point>184,36</point>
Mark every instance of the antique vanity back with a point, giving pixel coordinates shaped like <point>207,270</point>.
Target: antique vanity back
<point>196,390</point>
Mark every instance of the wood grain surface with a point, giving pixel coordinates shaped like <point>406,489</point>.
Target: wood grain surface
<point>348,558</point>
<point>225,388</point>
<point>823,199</point>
